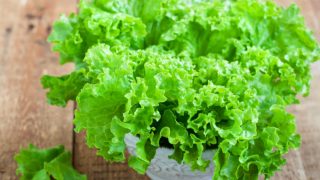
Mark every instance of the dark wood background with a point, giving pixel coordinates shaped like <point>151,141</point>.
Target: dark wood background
<point>25,117</point>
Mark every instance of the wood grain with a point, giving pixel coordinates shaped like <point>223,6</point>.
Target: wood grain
<point>25,117</point>
<point>308,119</point>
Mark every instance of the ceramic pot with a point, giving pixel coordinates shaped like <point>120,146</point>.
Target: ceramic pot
<point>163,168</point>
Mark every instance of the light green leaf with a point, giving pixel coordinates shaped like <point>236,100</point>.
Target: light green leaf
<point>42,164</point>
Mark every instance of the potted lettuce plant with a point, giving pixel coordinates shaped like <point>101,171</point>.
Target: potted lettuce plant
<point>205,82</point>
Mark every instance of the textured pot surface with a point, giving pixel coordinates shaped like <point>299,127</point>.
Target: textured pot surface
<point>163,168</point>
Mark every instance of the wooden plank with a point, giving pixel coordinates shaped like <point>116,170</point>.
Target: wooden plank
<point>308,119</point>
<point>293,170</point>
<point>25,117</point>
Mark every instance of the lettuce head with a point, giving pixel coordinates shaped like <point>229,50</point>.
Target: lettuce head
<point>197,74</point>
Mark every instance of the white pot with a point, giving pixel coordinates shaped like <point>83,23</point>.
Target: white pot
<point>163,168</point>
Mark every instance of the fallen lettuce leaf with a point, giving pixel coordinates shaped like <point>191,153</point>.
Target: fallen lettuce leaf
<point>45,164</point>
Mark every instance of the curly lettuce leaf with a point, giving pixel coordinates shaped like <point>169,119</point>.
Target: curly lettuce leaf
<point>45,164</point>
<point>64,88</point>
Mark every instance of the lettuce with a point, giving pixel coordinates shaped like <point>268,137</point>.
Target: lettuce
<point>45,164</point>
<point>198,74</point>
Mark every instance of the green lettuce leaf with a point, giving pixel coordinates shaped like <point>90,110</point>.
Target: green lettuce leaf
<point>64,88</point>
<point>44,164</point>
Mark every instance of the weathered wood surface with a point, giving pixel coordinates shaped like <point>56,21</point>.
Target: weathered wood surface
<point>26,118</point>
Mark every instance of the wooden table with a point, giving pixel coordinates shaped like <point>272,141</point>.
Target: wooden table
<point>25,117</point>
